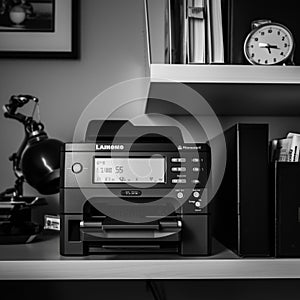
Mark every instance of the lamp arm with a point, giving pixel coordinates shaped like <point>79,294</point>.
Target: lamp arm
<point>30,125</point>
<point>19,117</point>
<point>17,190</point>
<point>16,157</point>
<point>16,102</point>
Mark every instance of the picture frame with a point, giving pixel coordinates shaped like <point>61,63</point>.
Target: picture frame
<point>49,29</point>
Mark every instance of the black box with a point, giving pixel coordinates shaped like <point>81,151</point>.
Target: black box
<point>287,209</point>
<point>242,213</point>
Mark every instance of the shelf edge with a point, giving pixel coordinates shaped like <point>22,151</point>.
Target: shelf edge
<point>150,269</point>
<point>225,74</point>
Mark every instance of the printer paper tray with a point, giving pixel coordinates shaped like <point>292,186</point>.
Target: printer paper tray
<point>172,235</point>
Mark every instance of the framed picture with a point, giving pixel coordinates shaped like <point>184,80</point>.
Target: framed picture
<point>39,28</point>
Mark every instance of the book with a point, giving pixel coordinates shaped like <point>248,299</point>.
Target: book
<point>294,146</point>
<point>193,31</point>
<point>209,32</point>
<point>175,31</point>
<point>185,33</point>
<point>168,58</point>
<point>286,149</point>
<point>215,36</point>
<point>284,146</point>
<point>196,31</point>
<point>205,31</point>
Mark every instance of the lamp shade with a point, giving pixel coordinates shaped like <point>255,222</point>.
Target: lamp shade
<point>40,164</point>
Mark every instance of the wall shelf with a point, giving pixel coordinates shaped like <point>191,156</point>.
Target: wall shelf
<point>41,261</point>
<point>229,89</point>
<point>225,74</point>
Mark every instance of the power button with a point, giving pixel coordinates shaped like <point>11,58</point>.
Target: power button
<point>77,168</point>
<point>180,195</point>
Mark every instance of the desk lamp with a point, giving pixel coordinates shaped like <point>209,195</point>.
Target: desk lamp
<point>37,161</point>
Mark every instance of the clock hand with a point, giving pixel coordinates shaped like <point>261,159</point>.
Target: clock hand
<point>266,45</point>
<point>263,45</point>
<point>274,47</point>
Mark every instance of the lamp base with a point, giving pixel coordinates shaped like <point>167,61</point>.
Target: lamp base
<point>15,219</point>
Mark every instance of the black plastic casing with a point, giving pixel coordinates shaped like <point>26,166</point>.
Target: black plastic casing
<point>185,231</point>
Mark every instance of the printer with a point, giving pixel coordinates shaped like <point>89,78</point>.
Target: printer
<point>134,189</point>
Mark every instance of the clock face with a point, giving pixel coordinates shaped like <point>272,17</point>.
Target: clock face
<point>269,45</point>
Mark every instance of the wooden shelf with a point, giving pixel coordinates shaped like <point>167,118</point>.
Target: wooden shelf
<point>225,74</point>
<point>228,89</point>
<point>41,261</point>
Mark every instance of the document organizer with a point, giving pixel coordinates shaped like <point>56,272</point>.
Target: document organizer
<point>287,208</point>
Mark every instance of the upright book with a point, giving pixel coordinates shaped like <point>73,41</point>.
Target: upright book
<point>196,13</point>
<point>175,31</point>
<point>215,41</point>
<point>205,31</point>
<point>194,31</point>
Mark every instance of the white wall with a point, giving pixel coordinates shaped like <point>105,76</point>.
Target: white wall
<point>112,50</point>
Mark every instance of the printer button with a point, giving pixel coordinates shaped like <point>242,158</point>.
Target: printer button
<point>182,160</point>
<point>178,180</point>
<point>180,169</point>
<point>180,195</point>
<point>198,204</point>
<point>77,167</point>
<point>178,159</point>
<point>196,194</point>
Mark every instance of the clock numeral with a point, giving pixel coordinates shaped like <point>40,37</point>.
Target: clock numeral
<point>270,30</point>
<point>252,55</point>
<point>259,60</point>
<point>278,32</point>
<point>283,38</point>
<point>266,61</point>
<point>274,59</point>
<point>262,33</point>
<point>256,39</point>
<point>281,53</point>
<point>285,45</point>
<point>252,46</point>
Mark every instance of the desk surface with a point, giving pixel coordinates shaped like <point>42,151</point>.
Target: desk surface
<point>40,260</point>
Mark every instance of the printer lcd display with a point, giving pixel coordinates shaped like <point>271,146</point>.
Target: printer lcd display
<point>129,170</point>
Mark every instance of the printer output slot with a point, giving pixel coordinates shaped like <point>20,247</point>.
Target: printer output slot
<point>143,208</point>
<point>123,226</point>
<point>140,200</point>
<point>133,247</point>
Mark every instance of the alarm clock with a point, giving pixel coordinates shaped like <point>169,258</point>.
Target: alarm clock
<point>269,43</point>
